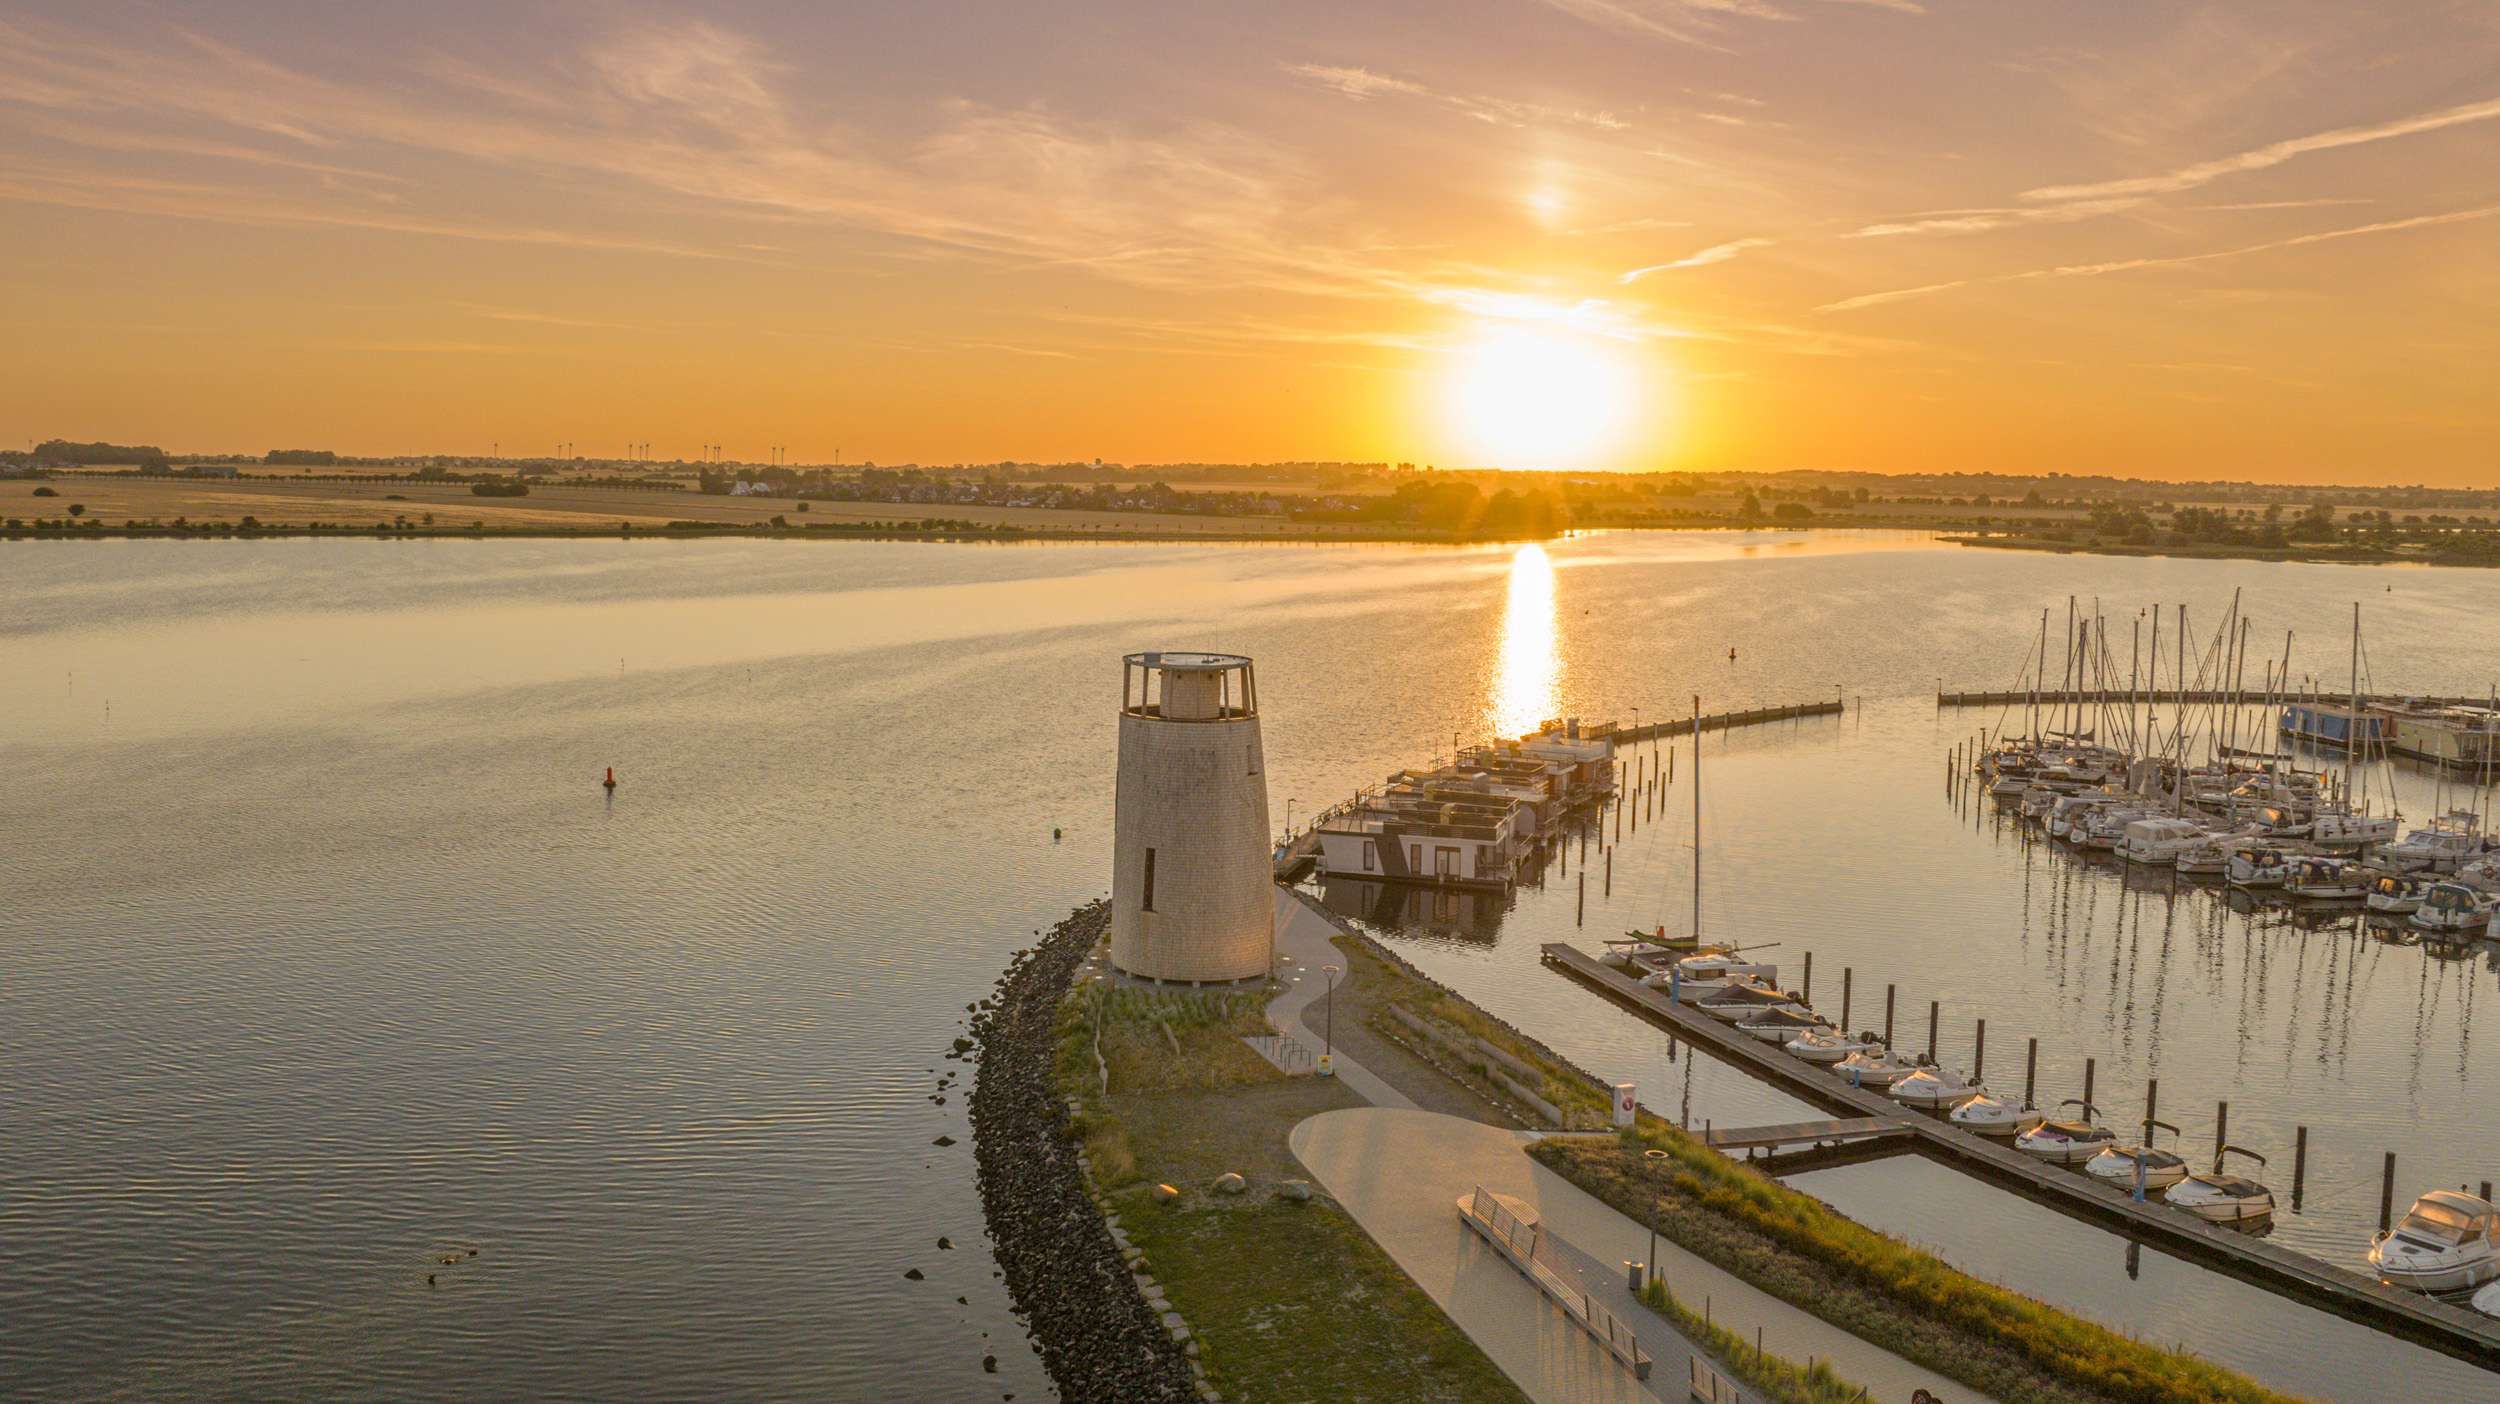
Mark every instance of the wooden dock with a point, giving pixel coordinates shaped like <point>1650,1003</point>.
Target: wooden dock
<point>2452,1330</point>
<point>2119,698</point>
<point>1801,1133</point>
<point>1723,721</point>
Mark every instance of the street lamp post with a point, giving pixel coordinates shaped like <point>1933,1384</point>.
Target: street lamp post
<point>1657,1206</point>
<point>1289,803</point>
<point>1328,1028</point>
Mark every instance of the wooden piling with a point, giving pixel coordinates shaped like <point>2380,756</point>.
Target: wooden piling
<point>2031,1073</point>
<point>1808,991</point>
<point>1935,1008</point>
<point>2387,1194</point>
<point>2087,1088</point>
<point>1844,998</point>
<point>2152,1099</point>
<point>2222,1126</point>
<point>2300,1162</point>
<point>1979,1053</point>
<point>1583,918</point>
<point>1610,873</point>
<point>1888,993</point>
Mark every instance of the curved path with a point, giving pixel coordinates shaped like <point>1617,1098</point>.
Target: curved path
<point>1400,1173</point>
<point>1303,945</point>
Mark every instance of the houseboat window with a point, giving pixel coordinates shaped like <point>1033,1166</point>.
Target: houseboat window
<point>1148,902</point>
<point>1370,854</point>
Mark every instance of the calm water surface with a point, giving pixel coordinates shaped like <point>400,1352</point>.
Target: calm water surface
<point>323,957</point>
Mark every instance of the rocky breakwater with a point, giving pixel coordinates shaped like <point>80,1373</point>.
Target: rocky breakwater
<point>1098,1336</point>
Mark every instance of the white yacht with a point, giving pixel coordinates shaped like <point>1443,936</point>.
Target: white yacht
<point>2221,1198</point>
<point>1875,1067</point>
<point>2481,874</point>
<point>2446,1241</point>
<point>1829,1045</point>
<point>2257,863</point>
<point>2209,858</point>
<point>1780,1023</point>
<point>2066,1142</point>
<point>1990,1116</point>
<point>1698,977</point>
<point>2319,879</point>
<point>2105,827</point>
<point>2159,842</point>
<point>2121,1165</point>
<point>2453,906</point>
<point>2330,828</point>
<point>1934,1087</point>
<point>2396,894</point>
<point>2451,841</point>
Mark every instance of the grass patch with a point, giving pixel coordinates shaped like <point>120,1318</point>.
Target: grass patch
<point>1781,1381</point>
<point>1583,1104</point>
<point>1880,1289</point>
<point>1295,1302</point>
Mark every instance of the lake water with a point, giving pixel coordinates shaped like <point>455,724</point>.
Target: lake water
<point>324,956</point>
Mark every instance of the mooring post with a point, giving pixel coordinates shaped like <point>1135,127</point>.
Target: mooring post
<point>2222,1126</point>
<point>1888,992</point>
<point>2486,1194</point>
<point>2031,1070</point>
<point>1808,991</point>
<point>2387,1194</point>
<point>1935,1009</point>
<point>1583,918</point>
<point>1979,1053</point>
<point>1610,873</point>
<point>2087,1089</point>
<point>2300,1162</point>
<point>1844,998</point>
<point>2152,1097</point>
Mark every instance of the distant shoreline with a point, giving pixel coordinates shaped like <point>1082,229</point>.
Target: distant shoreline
<point>2315,555</point>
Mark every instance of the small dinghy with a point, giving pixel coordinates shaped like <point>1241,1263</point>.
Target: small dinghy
<point>1738,1003</point>
<point>1990,1116</point>
<point>1830,1045</point>
<point>2127,1167</point>
<point>2066,1142</point>
<point>2487,1301</point>
<point>2220,1198</point>
<point>1933,1087</point>
<point>1698,977</point>
<point>1875,1067</point>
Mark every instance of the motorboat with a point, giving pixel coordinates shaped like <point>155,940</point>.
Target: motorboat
<point>2128,1166</point>
<point>1780,1023</point>
<point>2319,879</point>
<point>2102,829</point>
<point>2482,874</point>
<point>2334,828</point>
<point>2446,1241</point>
<point>2487,1301</point>
<point>2255,863</point>
<point>1641,949</point>
<point>2396,893</point>
<point>2066,1142</point>
<point>2453,906</point>
<point>1829,1045</point>
<point>1875,1067</point>
<point>2446,845</point>
<point>2208,858</point>
<point>1697,977</point>
<point>1933,1087</point>
<point>2159,842</point>
<point>1741,1002</point>
<point>1991,1116</point>
<point>2218,1197</point>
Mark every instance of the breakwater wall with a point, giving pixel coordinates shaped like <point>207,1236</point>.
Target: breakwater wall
<point>1097,1335</point>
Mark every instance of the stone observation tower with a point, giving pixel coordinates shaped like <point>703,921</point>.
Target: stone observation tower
<point>1193,892</point>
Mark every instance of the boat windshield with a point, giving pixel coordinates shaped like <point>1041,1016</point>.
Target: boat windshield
<point>2438,1221</point>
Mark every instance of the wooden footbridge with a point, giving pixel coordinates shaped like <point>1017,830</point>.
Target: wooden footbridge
<point>2452,1330</point>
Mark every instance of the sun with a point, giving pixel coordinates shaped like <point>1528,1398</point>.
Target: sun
<point>1523,397</point>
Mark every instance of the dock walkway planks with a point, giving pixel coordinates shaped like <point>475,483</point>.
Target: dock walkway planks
<point>2452,1330</point>
<point>1808,1133</point>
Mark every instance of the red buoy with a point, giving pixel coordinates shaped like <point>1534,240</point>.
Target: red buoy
<point>610,782</point>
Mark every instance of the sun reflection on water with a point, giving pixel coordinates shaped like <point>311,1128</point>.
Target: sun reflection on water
<point>1528,689</point>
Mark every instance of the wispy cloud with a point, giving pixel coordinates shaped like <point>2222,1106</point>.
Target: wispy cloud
<point>2129,265</point>
<point>1716,253</point>
<point>1696,21</point>
<point>2272,154</point>
<point>1362,85</point>
<point>1981,221</point>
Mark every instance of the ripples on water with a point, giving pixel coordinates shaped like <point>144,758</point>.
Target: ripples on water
<point>324,957</point>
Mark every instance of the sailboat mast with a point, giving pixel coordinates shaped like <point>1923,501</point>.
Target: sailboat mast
<point>2352,723</point>
<point>2039,674</point>
<point>1697,816</point>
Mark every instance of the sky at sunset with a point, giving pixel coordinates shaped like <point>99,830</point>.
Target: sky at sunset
<point>2251,241</point>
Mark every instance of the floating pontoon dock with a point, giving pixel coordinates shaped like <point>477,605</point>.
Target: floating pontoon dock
<point>2452,1330</point>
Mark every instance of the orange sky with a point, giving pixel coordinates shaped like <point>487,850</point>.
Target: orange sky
<point>2245,241</point>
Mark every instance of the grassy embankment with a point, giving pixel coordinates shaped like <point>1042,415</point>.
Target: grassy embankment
<point>1878,1288</point>
<point>1288,1300</point>
<point>1799,1249</point>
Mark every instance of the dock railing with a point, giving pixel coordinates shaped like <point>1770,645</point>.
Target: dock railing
<point>1523,1242</point>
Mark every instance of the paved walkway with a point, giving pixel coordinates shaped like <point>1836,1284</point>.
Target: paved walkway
<point>1302,947</point>
<point>1400,1172</point>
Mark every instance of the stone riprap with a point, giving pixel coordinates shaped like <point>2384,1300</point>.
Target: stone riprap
<point>1097,1334</point>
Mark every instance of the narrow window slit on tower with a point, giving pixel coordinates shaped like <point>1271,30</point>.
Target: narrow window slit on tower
<point>1148,901</point>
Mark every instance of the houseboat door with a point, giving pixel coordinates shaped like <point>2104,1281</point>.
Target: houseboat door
<point>1444,863</point>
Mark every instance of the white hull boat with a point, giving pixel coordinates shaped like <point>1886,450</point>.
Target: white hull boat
<point>1829,1046</point>
<point>1780,1024</point>
<point>2065,1142</point>
<point>2219,1197</point>
<point>1934,1087</point>
<point>2117,1166</point>
<point>1877,1067</point>
<point>1989,1116</point>
<point>2446,1242</point>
